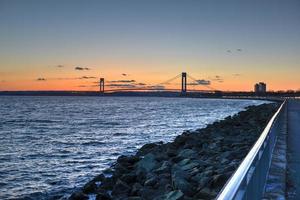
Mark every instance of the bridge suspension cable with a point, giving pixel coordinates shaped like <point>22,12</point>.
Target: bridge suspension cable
<point>170,80</point>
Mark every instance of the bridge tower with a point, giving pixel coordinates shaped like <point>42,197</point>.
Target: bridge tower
<point>183,83</point>
<point>101,85</point>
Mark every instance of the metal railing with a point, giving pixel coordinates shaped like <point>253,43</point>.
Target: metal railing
<point>248,181</point>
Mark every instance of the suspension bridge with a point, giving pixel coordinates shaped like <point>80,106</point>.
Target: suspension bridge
<point>186,80</point>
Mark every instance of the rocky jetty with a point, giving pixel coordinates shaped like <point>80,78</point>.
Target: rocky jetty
<point>196,165</point>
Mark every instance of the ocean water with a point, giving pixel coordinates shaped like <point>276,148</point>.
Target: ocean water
<point>51,146</point>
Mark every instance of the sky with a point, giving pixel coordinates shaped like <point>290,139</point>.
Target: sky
<point>225,45</point>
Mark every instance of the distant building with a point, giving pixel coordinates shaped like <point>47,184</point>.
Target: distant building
<point>260,87</point>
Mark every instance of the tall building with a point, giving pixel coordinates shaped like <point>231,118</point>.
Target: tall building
<point>260,87</point>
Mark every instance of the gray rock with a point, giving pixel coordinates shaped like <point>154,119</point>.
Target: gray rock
<point>121,188</point>
<point>147,148</point>
<point>202,180</point>
<point>150,182</point>
<point>165,167</point>
<point>205,193</point>
<point>179,181</point>
<point>188,153</point>
<point>128,178</point>
<point>174,195</point>
<point>190,166</point>
<point>136,188</point>
<point>219,180</point>
<point>147,164</point>
<point>184,162</point>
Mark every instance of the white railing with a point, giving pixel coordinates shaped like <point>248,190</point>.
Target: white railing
<point>248,181</point>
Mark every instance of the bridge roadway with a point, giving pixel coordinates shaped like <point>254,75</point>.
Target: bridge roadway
<point>293,147</point>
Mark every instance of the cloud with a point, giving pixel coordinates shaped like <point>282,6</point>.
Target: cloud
<point>228,51</point>
<point>82,68</point>
<point>126,85</point>
<point>157,87</point>
<point>236,74</point>
<point>203,82</point>
<point>122,81</point>
<point>87,77</point>
<point>125,74</point>
<point>218,79</point>
<point>59,66</point>
<point>141,84</point>
<point>239,50</point>
<point>121,85</point>
<point>41,79</point>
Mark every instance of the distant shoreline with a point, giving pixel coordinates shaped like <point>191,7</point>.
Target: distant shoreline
<point>217,94</point>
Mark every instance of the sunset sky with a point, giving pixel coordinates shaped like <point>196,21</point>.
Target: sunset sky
<point>70,44</point>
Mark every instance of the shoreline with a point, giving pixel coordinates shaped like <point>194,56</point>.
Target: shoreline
<point>195,165</point>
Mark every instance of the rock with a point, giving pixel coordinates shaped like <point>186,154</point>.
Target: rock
<point>171,152</point>
<point>128,178</point>
<point>219,180</point>
<point>134,198</point>
<point>202,180</point>
<point>150,182</point>
<point>161,184</point>
<point>147,164</point>
<point>190,166</point>
<point>179,181</point>
<point>181,140</point>
<point>205,193</point>
<point>147,148</point>
<point>78,196</point>
<point>102,196</point>
<point>121,188</point>
<point>168,187</point>
<point>148,193</point>
<point>128,160</point>
<point>184,162</point>
<point>194,171</point>
<point>140,175</point>
<point>227,155</point>
<point>165,167</point>
<point>90,187</point>
<point>136,188</point>
<point>174,195</point>
<point>188,153</point>
<point>108,183</point>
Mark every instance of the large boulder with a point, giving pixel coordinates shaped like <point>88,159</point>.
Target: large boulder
<point>164,168</point>
<point>147,148</point>
<point>180,181</point>
<point>147,164</point>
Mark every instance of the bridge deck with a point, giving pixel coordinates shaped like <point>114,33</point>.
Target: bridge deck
<point>293,143</point>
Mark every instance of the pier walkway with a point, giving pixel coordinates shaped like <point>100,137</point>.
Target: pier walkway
<point>293,153</point>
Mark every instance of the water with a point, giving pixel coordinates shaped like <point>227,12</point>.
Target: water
<point>53,145</point>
